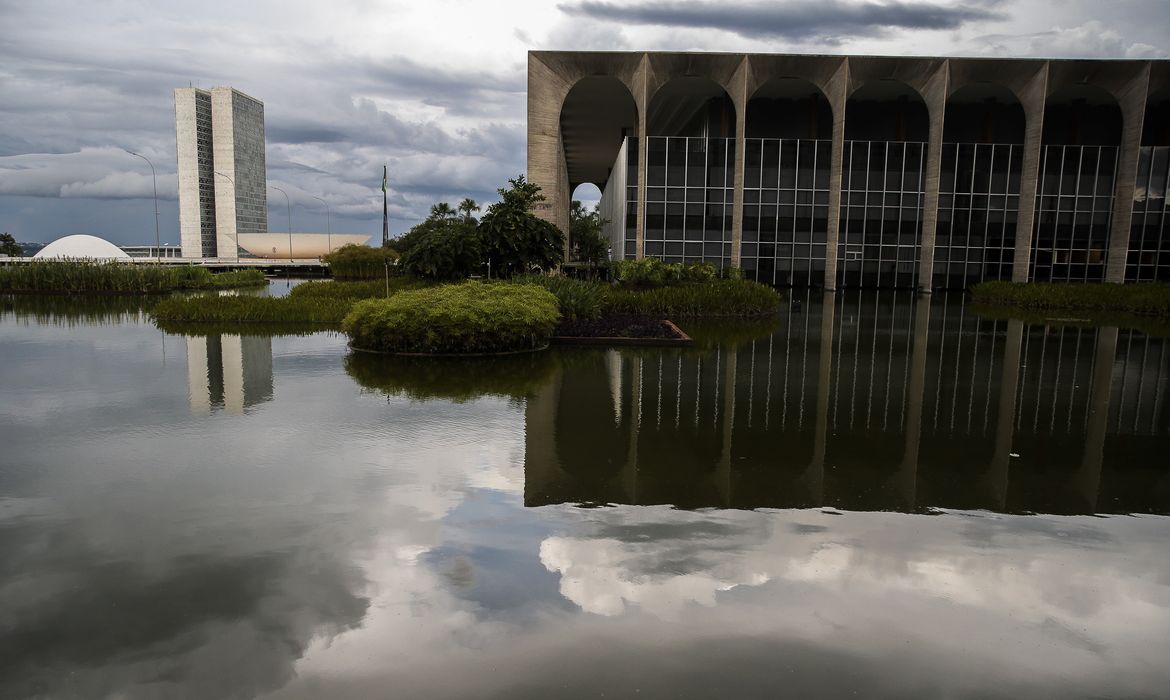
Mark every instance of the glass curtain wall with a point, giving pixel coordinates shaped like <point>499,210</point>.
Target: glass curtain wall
<point>881,213</point>
<point>1149,240</point>
<point>785,211</point>
<point>1074,207</point>
<point>979,199</point>
<point>689,191</point>
<point>631,195</point>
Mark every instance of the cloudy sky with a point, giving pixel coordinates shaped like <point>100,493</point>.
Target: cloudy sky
<point>435,90</point>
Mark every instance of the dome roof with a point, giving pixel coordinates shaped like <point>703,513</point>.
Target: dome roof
<point>82,246</point>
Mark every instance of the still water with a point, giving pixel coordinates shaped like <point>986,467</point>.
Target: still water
<point>875,496</point>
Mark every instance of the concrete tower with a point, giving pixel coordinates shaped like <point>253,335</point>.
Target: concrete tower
<point>222,181</point>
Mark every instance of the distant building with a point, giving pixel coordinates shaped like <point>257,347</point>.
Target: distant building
<point>863,171</point>
<point>222,178</point>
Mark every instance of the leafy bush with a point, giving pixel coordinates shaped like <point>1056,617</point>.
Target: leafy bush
<point>372,289</point>
<point>249,309</point>
<point>577,299</point>
<point>514,239</point>
<point>649,273</point>
<point>360,262</point>
<point>104,277</point>
<point>450,250</point>
<point>716,298</point>
<point>465,318</point>
<point>1142,299</point>
<point>457,379</point>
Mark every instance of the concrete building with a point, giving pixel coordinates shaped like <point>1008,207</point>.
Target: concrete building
<point>862,170</point>
<point>222,177</point>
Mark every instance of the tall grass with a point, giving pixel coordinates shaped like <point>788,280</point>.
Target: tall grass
<point>1138,299</point>
<point>241,309</point>
<point>372,289</point>
<point>361,262</point>
<point>714,298</point>
<point>95,277</point>
<point>578,299</point>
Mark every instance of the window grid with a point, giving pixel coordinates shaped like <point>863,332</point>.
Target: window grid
<point>688,199</point>
<point>978,206</point>
<point>1149,246</point>
<point>785,211</point>
<point>881,213</point>
<point>1074,207</point>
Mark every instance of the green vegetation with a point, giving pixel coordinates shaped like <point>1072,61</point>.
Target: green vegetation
<point>249,309</point>
<point>652,272</point>
<point>457,379</point>
<point>586,242</point>
<point>581,299</point>
<point>514,240</point>
<point>466,318</point>
<point>69,311</point>
<point>1136,299</point>
<point>94,277</point>
<point>9,246</point>
<point>353,290</point>
<point>360,262</point>
<point>443,247</point>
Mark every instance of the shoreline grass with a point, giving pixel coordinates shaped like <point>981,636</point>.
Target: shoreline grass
<point>1144,299</point>
<point>724,298</point>
<point>242,309</point>
<point>116,278</point>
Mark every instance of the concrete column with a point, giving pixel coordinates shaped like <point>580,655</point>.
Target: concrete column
<point>935,94</point>
<point>546,93</point>
<point>643,79</point>
<point>1032,100</point>
<point>1133,114</point>
<point>837,92</point>
<point>739,99</point>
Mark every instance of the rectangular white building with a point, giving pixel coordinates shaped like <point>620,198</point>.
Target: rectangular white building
<point>222,178</point>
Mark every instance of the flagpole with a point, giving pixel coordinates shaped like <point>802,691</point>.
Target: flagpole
<point>385,217</point>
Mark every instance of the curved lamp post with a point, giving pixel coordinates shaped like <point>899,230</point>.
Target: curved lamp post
<point>328,227</point>
<point>154,179</point>
<point>237,241</point>
<point>288,208</point>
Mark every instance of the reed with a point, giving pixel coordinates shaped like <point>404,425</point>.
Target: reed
<point>94,277</point>
<point>724,297</point>
<point>249,309</point>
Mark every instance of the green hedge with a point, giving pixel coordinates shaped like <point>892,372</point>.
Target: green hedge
<point>1140,299</point>
<point>372,289</point>
<point>98,277</point>
<point>465,318</point>
<point>577,299</point>
<point>360,262</point>
<point>250,309</point>
<point>715,298</point>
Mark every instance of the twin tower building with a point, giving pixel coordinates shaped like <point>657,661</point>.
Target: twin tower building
<point>222,180</point>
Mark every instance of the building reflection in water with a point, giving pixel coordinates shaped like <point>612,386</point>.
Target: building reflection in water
<point>864,402</point>
<point>228,372</point>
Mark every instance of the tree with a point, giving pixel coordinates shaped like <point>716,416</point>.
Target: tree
<point>586,240</point>
<point>466,207</point>
<point>9,246</point>
<point>442,211</point>
<point>514,239</point>
<point>444,246</point>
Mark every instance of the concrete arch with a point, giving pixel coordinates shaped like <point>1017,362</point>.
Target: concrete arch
<point>1081,115</point>
<point>1156,125</point>
<point>887,107</point>
<point>795,108</point>
<point>692,106</point>
<point>597,113</point>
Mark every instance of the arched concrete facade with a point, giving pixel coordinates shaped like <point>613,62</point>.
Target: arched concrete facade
<point>552,74</point>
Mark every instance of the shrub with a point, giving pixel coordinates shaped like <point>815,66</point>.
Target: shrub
<point>650,273</point>
<point>457,379</point>
<point>1142,299</point>
<point>644,273</point>
<point>354,262</point>
<point>465,318</point>
<point>450,250</point>
<point>104,277</point>
<point>371,289</point>
<point>577,299</point>
<point>716,298</point>
<point>514,239</point>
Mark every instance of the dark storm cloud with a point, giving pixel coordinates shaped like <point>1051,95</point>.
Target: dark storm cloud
<point>793,20</point>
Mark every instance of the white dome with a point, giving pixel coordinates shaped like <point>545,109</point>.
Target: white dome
<point>82,246</point>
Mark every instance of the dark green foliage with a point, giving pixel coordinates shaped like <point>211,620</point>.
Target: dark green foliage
<point>715,298</point>
<point>457,379</point>
<point>578,299</point>
<point>372,289</point>
<point>360,262</point>
<point>250,309</point>
<point>444,248</point>
<point>649,273</point>
<point>94,277</point>
<point>1138,299</point>
<point>516,241</point>
<point>465,318</point>
<point>587,244</point>
<point>9,246</point>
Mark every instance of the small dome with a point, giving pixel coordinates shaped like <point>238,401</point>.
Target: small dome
<point>82,246</point>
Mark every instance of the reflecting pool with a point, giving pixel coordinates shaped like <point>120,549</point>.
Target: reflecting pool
<point>875,495</point>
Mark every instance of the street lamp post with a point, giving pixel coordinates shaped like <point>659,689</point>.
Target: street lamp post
<point>288,208</point>
<point>328,227</point>
<point>154,179</point>
<point>237,240</point>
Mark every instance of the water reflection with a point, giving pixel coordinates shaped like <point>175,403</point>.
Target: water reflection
<point>864,402</point>
<point>228,372</point>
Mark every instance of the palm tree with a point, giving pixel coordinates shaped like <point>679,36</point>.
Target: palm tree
<point>442,210</point>
<point>466,207</point>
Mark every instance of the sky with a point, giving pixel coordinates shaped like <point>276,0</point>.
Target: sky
<point>434,90</point>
